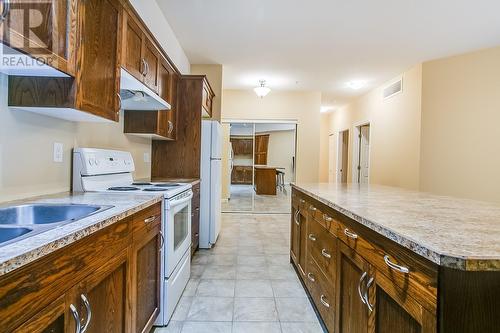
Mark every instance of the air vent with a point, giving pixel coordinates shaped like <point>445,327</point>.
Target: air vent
<point>393,89</point>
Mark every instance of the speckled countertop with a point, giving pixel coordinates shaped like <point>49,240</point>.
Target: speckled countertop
<point>18,254</point>
<point>458,233</point>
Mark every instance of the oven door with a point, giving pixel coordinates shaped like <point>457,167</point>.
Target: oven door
<point>178,229</point>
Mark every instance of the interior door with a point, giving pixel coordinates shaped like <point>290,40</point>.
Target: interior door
<point>364,154</point>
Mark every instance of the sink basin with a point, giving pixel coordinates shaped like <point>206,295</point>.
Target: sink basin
<point>36,214</point>
<point>10,233</point>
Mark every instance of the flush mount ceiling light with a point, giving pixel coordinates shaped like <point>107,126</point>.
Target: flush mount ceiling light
<point>262,90</point>
<point>356,84</point>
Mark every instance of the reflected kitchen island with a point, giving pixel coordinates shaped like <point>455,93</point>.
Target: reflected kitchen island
<point>265,179</point>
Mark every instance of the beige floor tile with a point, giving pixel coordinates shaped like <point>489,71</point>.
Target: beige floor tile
<point>253,288</point>
<point>206,327</point>
<point>211,309</point>
<point>289,327</point>
<point>288,288</point>
<point>218,288</point>
<point>255,309</point>
<point>295,309</point>
<point>256,327</point>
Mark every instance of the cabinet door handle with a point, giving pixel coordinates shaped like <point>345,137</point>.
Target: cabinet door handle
<point>5,11</point>
<point>350,234</point>
<point>397,267</point>
<point>311,207</point>
<point>368,285</point>
<point>325,303</point>
<point>170,127</point>
<point>76,317</point>
<point>302,201</point>
<point>311,277</point>
<point>312,237</point>
<point>327,218</point>
<point>363,276</point>
<point>89,313</point>
<point>142,69</point>
<point>119,102</point>
<point>162,240</point>
<point>297,217</point>
<point>146,68</point>
<point>150,219</point>
<point>325,254</point>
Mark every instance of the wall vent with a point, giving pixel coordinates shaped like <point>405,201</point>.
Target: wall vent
<point>393,89</point>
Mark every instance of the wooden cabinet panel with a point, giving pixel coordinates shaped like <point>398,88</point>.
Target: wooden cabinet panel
<point>43,29</point>
<point>49,320</point>
<point>260,151</point>
<point>242,175</point>
<point>207,98</point>
<point>195,218</point>
<point>294,234</point>
<point>322,293</point>
<point>132,47</point>
<point>151,57</point>
<point>322,247</point>
<point>98,58</point>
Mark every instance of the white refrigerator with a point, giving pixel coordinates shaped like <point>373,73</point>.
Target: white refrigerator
<point>211,183</point>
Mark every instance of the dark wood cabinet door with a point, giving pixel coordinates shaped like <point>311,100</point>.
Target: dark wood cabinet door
<point>302,220</point>
<point>44,29</point>
<point>132,47</point>
<point>50,320</point>
<point>146,278</point>
<point>295,235</point>
<point>353,314</point>
<point>151,57</point>
<point>98,74</point>
<point>166,118</point>
<point>101,298</point>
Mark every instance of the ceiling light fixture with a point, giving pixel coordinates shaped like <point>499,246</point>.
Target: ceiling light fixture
<point>324,109</point>
<point>356,84</point>
<point>262,90</point>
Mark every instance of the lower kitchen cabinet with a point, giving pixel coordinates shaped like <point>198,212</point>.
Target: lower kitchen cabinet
<point>299,237</point>
<point>195,218</point>
<point>106,282</point>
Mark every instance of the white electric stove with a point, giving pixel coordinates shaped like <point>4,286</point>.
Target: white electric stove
<point>102,170</point>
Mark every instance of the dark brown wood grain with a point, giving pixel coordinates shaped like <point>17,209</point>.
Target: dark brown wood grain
<point>181,158</point>
<point>151,57</point>
<point>265,181</point>
<point>260,151</point>
<point>320,245</point>
<point>50,319</point>
<point>242,174</point>
<point>319,285</point>
<point>195,218</point>
<point>132,47</point>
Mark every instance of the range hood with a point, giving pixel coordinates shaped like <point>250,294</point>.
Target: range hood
<point>135,95</point>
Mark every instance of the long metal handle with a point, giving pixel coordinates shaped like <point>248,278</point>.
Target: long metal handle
<point>368,285</point>
<point>397,267</point>
<point>363,276</point>
<point>311,277</point>
<point>150,219</point>
<point>297,212</point>
<point>119,101</point>
<point>312,237</point>
<point>76,316</point>
<point>6,10</point>
<point>325,254</point>
<point>162,240</point>
<point>142,67</point>
<point>89,313</point>
<point>350,234</point>
<point>147,67</point>
<point>325,303</point>
<point>170,127</point>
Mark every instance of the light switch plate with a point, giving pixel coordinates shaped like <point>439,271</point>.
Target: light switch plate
<point>58,152</point>
<point>147,158</point>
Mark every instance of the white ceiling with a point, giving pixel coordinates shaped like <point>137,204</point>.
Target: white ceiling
<point>322,44</point>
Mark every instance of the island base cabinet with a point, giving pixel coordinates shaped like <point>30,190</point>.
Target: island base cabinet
<point>299,240</point>
<point>52,319</point>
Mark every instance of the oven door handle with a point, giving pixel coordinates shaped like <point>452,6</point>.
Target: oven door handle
<point>175,203</point>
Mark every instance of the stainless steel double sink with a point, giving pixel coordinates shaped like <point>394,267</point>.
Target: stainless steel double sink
<point>22,221</point>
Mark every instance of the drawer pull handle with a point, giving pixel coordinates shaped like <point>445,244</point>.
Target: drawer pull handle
<point>76,316</point>
<point>325,303</point>
<point>325,254</point>
<point>392,265</point>
<point>368,305</point>
<point>162,241</point>
<point>327,218</point>
<point>296,219</point>
<point>312,237</point>
<point>363,276</point>
<point>311,277</point>
<point>302,201</point>
<point>313,208</point>
<point>89,313</point>
<point>150,219</point>
<point>350,234</point>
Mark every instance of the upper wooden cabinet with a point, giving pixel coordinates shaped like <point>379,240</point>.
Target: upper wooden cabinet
<point>141,56</point>
<point>43,29</point>
<point>261,145</point>
<point>207,99</point>
<point>242,145</point>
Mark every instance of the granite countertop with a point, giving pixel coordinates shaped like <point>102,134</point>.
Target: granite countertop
<point>18,254</point>
<point>457,233</point>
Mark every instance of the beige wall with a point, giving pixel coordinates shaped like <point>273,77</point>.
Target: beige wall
<point>214,75</point>
<point>300,106</point>
<point>280,150</point>
<point>26,147</point>
<point>460,126</point>
<point>323,147</point>
<point>394,132</point>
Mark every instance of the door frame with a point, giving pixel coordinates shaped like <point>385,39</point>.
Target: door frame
<point>355,150</point>
<point>338,176</point>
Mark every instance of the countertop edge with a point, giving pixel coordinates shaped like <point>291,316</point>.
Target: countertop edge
<point>30,256</point>
<point>441,259</point>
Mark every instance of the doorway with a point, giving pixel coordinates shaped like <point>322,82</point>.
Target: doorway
<point>342,156</point>
<point>361,154</point>
<point>261,165</point>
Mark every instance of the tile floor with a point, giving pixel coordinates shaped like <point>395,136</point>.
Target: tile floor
<point>244,199</point>
<point>246,283</point>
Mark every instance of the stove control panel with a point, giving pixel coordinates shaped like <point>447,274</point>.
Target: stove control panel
<point>91,161</point>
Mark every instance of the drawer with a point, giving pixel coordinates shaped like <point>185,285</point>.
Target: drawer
<point>322,247</point>
<point>408,271</point>
<point>322,293</point>
<point>147,219</point>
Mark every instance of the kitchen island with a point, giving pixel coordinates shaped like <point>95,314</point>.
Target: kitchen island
<point>397,260</point>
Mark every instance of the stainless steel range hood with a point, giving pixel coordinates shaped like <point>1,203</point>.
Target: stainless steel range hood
<point>135,95</point>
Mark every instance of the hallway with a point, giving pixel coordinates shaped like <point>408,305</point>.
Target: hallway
<point>245,283</point>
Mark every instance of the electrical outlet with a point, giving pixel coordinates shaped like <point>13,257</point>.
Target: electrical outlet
<point>147,158</point>
<point>58,152</point>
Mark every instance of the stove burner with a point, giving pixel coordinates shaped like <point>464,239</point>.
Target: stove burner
<point>141,184</point>
<point>123,188</point>
<point>155,189</point>
<point>168,184</point>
